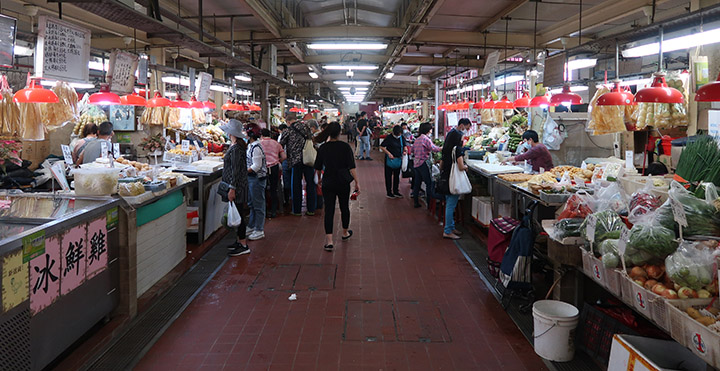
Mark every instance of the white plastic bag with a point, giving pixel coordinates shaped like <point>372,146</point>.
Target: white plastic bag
<point>404,163</point>
<point>552,138</point>
<point>233,219</point>
<point>459,181</point>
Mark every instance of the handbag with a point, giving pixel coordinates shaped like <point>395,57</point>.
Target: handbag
<point>405,160</point>
<point>393,163</point>
<point>309,153</point>
<point>223,190</point>
<point>459,181</point>
<point>409,172</point>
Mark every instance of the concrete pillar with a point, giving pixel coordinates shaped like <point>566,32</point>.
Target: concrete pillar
<point>219,74</point>
<point>437,103</point>
<point>282,102</point>
<point>265,103</point>
<point>158,54</point>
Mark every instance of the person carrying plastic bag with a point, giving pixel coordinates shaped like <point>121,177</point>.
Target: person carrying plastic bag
<point>234,185</point>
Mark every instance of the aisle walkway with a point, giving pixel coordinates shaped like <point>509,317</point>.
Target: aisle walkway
<point>394,297</point>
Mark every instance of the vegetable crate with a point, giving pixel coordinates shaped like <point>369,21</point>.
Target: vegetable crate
<point>648,303</point>
<point>702,340</point>
<point>606,277</point>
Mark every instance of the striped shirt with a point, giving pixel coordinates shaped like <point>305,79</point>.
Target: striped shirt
<point>422,149</point>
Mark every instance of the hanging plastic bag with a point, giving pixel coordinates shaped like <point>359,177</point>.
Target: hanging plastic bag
<point>459,181</point>
<point>701,214</point>
<point>404,163</point>
<point>609,225</point>
<point>692,265</point>
<point>233,216</point>
<point>579,205</point>
<point>612,198</point>
<point>647,239</point>
<point>552,138</point>
<point>644,200</point>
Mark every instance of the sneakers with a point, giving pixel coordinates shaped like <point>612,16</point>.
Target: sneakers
<point>397,195</point>
<point>328,247</point>
<point>455,231</point>
<point>239,250</point>
<point>310,213</point>
<point>389,196</point>
<point>256,235</point>
<point>249,231</point>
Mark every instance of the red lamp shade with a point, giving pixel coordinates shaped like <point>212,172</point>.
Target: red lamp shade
<point>523,101</point>
<point>659,92</point>
<point>616,97</point>
<point>565,97</point>
<point>158,101</point>
<point>255,107</point>
<point>295,110</point>
<point>504,103</point>
<point>230,106</point>
<point>443,107</point>
<point>542,101</point>
<point>209,105</point>
<point>709,92</point>
<point>479,104</point>
<point>133,100</point>
<point>490,104</point>
<point>194,103</point>
<point>105,97</point>
<point>465,105</point>
<point>179,103</point>
<point>35,94</point>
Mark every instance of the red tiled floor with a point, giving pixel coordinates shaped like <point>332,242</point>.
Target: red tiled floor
<point>396,257</point>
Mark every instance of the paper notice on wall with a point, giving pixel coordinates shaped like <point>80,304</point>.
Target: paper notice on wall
<point>15,289</point>
<point>202,88</point>
<point>63,50</point>
<point>121,72</point>
<point>491,63</point>
<point>452,119</point>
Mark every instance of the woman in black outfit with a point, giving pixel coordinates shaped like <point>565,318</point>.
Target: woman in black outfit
<point>394,147</point>
<point>236,175</point>
<point>336,164</point>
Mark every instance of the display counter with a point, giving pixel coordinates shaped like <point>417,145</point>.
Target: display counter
<point>204,197</point>
<point>60,273</point>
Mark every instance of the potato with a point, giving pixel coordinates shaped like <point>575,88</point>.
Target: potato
<point>714,311</point>
<point>693,313</point>
<point>707,321</point>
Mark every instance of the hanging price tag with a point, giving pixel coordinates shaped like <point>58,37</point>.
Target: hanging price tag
<point>67,154</point>
<point>195,143</point>
<point>177,137</point>
<point>185,145</point>
<point>116,150</point>
<point>591,226</point>
<point>104,149</point>
<point>678,212</point>
<point>622,246</point>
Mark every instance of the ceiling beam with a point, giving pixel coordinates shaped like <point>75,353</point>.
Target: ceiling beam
<point>346,58</point>
<point>271,23</point>
<point>603,13</point>
<point>500,15</point>
<point>348,32</point>
<point>339,7</point>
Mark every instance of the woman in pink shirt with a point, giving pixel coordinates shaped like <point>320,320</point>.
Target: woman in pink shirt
<point>274,155</point>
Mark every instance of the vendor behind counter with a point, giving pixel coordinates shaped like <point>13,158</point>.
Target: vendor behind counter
<point>538,156</point>
<point>93,150</point>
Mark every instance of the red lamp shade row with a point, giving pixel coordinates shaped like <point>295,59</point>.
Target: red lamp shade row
<point>490,104</point>
<point>179,103</point>
<point>504,103</point>
<point>523,101</point>
<point>133,100</point>
<point>105,97</point>
<point>479,104</point>
<point>565,97</point>
<point>709,92</point>
<point>542,101</point>
<point>158,101</point>
<point>194,103</point>
<point>35,94</point>
<point>659,92</point>
<point>209,105</point>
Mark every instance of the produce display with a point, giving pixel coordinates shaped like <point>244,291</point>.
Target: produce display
<point>702,215</point>
<point>569,227</point>
<point>574,172</point>
<point>691,265</point>
<point>700,161</point>
<point>609,225</point>
<point>577,206</point>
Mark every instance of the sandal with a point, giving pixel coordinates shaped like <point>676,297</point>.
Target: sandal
<point>350,233</point>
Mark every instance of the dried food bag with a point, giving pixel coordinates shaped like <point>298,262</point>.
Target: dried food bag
<point>10,112</point>
<point>609,225</point>
<point>631,116</point>
<point>692,265</point>
<point>701,214</point>
<point>679,115</point>
<point>644,200</point>
<point>486,116</point>
<point>498,116</point>
<point>593,115</point>
<point>33,128</point>
<point>579,205</point>
<point>56,114</point>
<point>612,198</point>
<point>648,236</point>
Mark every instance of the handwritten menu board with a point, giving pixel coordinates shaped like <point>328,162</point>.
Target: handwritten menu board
<point>554,70</point>
<point>202,88</point>
<point>63,50</point>
<point>8,28</point>
<point>122,71</point>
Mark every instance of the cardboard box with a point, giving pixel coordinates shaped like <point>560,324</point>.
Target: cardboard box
<point>647,354</point>
<point>35,151</point>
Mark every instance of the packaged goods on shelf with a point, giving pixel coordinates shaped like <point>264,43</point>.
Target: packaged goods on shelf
<point>661,115</point>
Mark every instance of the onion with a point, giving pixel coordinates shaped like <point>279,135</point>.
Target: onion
<point>636,272</point>
<point>659,289</point>
<point>650,283</point>
<point>654,271</point>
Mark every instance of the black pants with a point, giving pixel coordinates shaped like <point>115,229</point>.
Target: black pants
<point>342,193</point>
<point>273,181</point>
<point>422,174</point>
<point>242,208</point>
<point>392,179</point>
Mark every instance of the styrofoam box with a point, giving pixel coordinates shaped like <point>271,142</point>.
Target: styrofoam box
<point>482,209</point>
<point>647,354</point>
<point>609,278</point>
<point>475,205</point>
<point>505,210</point>
<point>703,341</point>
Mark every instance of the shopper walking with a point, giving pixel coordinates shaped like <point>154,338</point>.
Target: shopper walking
<point>294,142</point>
<point>336,165</point>
<point>422,150</point>
<point>257,181</point>
<point>454,140</point>
<point>363,130</point>
<point>274,155</point>
<point>236,176</point>
<point>286,170</point>
<point>394,148</point>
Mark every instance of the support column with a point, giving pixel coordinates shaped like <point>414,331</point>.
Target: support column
<point>282,102</point>
<point>219,74</point>
<point>158,54</point>
<point>265,103</point>
<point>437,104</point>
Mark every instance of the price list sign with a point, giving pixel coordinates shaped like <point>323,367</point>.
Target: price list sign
<point>122,67</point>
<point>8,28</point>
<point>63,50</point>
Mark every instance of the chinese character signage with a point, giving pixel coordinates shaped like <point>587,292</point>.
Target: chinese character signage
<point>14,280</point>
<point>122,71</point>
<point>63,50</point>
<point>67,261</point>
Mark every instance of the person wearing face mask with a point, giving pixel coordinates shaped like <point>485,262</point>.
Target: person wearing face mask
<point>394,147</point>
<point>454,140</point>
<point>538,155</point>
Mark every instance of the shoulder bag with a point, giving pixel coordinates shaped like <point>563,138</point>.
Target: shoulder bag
<point>309,152</point>
<point>396,162</point>
<point>459,181</point>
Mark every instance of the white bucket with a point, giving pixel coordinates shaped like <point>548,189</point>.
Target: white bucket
<point>554,333</point>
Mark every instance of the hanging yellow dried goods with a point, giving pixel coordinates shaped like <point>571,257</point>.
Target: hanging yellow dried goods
<point>605,119</point>
<point>33,128</point>
<point>9,115</point>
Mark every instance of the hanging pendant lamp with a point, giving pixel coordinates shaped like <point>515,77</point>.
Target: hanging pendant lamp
<point>566,97</point>
<point>659,92</point>
<point>35,93</point>
<point>208,105</point>
<point>479,104</point>
<point>522,102</point>
<point>179,103</point>
<point>542,101</point>
<point>133,99</point>
<point>104,97</point>
<point>618,96</point>
<point>158,101</point>
<point>255,107</point>
<point>231,106</point>
<point>489,104</point>
<point>709,92</point>
<point>504,103</point>
<point>194,103</point>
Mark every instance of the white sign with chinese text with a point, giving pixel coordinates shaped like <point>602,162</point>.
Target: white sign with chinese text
<point>63,50</point>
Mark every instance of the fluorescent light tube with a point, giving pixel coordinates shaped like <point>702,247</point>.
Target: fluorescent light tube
<point>572,89</point>
<point>349,82</point>
<point>22,50</point>
<point>313,75</point>
<point>678,43</point>
<point>184,81</point>
<point>348,67</point>
<point>347,46</point>
<point>220,88</point>
<point>389,75</point>
<point>95,65</point>
<point>581,63</point>
<point>243,78</point>
<point>76,85</point>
